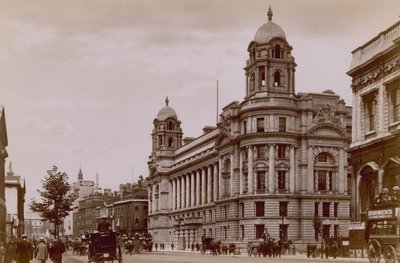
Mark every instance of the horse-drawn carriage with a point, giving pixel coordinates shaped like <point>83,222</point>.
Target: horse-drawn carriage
<point>103,246</point>
<point>208,243</point>
<point>267,247</point>
<point>383,233</point>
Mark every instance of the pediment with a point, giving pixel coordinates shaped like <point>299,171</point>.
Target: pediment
<point>330,130</point>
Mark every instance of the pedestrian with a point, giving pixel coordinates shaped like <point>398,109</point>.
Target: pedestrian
<point>56,251</point>
<point>10,252</point>
<point>156,245</point>
<point>3,253</point>
<point>23,250</point>
<point>41,252</point>
<point>172,246</point>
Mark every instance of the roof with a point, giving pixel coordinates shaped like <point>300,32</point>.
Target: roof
<point>269,31</point>
<point>166,112</point>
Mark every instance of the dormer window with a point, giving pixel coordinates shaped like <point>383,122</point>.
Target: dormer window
<point>277,51</point>
<point>277,79</point>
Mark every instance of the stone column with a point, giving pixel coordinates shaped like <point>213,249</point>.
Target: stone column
<point>310,169</point>
<point>292,170</point>
<point>215,192</point>
<point>183,191</point>
<point>170,194</point>
<point>209,184</point>
<point>203,185</point>
<point>220,183</point>
<point>173,194</point>
<point>231,190</point>
<point>154,197</point>
<point>342,176</point>
<point>198,187</point>
<point>178,193</point>
<point>192,187</point>
<point>250,173</point>
<point>240,172</point>
<point>187,202</point>
<point>271,169</point>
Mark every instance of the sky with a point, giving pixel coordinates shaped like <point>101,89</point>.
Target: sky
<point>81,81</point>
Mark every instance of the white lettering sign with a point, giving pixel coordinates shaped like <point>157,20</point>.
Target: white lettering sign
<point>380,213</point>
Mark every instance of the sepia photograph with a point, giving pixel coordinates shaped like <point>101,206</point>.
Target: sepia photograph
<point>199,131</point>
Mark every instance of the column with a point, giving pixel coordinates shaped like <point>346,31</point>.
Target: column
<point>271,169</point>
<point>173,194</point>
<point>250,173</point>
<point>203,185</point>
<point>240,172</point>
<point>232,192</point>
<point>154,197</point>
<point>183,191</point>
<point>198,187</point>
<point>192,187</point>
<point>215,192</point>
<point>220,183</point>
<point>209,180</point>
<point>178,193</point>
<point>342,176</point>
<point>149,197</point>
<point>292,170</point>
<point>310,170</point>
<point>187,202</point>
<point>170,194</point>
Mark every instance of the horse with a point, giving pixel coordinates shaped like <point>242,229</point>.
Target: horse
<point>207,243</point>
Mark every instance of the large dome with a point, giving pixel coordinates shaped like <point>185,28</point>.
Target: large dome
<point>166,112</point>
<point>269,31</point>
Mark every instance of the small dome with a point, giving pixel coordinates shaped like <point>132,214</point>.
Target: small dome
<point>166,112</point>
<point>269,31</point>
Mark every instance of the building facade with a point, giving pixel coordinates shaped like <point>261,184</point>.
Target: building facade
<point>276,160</point>
<point>15,192</point>
<point>375,157</point>
<point>35,227</point>
<point>3,156</point>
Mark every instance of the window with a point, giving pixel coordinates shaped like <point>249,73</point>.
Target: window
<point>277,51</point>
<point>394,105</point>
<point>244,127</point>
<point>160,142</point>
<point>283,208</point>
<point>170,142</point>
<point>316,209</point>
<point>259,230</point>
<point>326,209</point>
<point>171,126</point>
<point>321,180</point>
<point>260,125</point>
<point>261,70</point>
<point>370,112</point>
<point>261,181</point>
<point>242,210</point>
<point>335,209</point>
<point>136,207</point>
<point>281,180</point>
<point>282,124</point>
<point>242,231</point>
<point>260,151</point>
<point>260,209</point>
<point>322,158</point>
<point>277,79</point>
<point>281,151</point>
<point>252,82</point>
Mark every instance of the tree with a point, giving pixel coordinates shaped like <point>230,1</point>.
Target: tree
<point>56,199</point>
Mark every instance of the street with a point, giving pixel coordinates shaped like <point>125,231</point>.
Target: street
<point>190,257</point>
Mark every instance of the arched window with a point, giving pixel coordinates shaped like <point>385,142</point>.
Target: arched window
<point>261,70</point>
<point>171,126</point>
<point>277,51</point>
<point>277,79</point>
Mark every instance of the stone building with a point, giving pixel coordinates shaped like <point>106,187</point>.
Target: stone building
<point>15,201</point>
<point>276,160</point>
<point>375,155</point>
<point>3,156</point>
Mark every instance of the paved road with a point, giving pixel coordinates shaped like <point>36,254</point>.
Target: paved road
<point>195,257</point>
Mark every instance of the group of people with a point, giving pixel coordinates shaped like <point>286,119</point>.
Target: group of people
<point>24,251</point>
<point>385,197</point>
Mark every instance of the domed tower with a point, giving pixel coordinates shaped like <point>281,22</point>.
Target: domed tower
<point>167,132</point>
<point>270,68</point>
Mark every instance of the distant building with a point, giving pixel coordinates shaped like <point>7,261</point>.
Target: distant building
<point>15,200</point>
<point>275,162</point>
<point>130,216</point>
<point>35,227</point>
<point>3,156</point>
<point>374,149</point>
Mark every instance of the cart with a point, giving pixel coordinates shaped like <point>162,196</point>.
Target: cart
<point>103,246</point>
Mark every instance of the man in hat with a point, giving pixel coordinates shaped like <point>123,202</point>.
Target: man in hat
<point>41,252</point>
<point>103,225</point>
<point>56,251</point>
<point>24,250</point>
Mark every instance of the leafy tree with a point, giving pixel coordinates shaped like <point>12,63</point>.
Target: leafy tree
<point>56,199</point>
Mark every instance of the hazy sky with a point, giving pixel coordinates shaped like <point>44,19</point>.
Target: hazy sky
<point>82,81</point>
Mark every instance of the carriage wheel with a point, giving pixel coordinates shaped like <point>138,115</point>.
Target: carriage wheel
<point>374,251</point>
<point>203,249</point>
<point>390,254</point>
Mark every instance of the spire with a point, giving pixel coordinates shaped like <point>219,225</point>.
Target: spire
<point>269,14</point>
<point>166,101</point>
<point>80,174</point>
<point>10,168</point>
